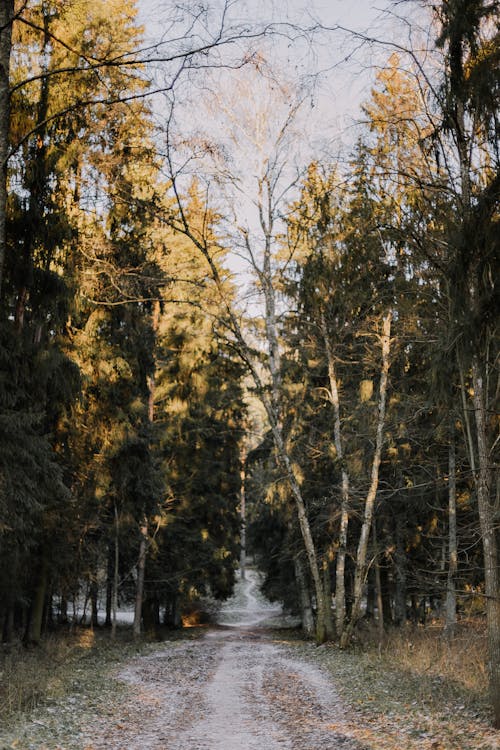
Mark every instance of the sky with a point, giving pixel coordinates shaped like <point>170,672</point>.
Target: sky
<point>342,83</point>
<point>343,71</point>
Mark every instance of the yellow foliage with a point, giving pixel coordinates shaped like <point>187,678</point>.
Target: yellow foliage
<point>177,406</point>
<point>366,390</point>
<point>355,463</point>
<point>298,473</point>
<point>332,451</point>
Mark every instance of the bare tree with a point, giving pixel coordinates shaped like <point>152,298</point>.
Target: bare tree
<point>194,37</point>
<point>261,190</point>
<point>361,556</point>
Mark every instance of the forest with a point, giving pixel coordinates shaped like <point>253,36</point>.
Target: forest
<point>215,340</point>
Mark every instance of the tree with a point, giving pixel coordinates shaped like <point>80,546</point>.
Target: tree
<point>468,103</point>
<point>266,134</point>
<point>6,16</point>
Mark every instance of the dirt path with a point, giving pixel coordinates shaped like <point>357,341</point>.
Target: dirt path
<point>235,689</point>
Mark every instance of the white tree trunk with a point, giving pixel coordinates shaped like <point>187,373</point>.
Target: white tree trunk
<point>344,496</point>
<point>360,571</point>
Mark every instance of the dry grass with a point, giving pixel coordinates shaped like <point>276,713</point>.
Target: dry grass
<point>423,651</point>
<point>30,676</point>
<point>62,663</point>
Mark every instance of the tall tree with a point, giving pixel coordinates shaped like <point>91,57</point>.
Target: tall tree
<point>6,17</point>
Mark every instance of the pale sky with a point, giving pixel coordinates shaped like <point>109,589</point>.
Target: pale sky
<point>327,127</point>
<point>344,84</point>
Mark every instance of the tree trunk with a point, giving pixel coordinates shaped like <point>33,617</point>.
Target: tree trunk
<point>6,15</point>
<point>370,593</point>
<point>243,521</point>
<point>380,601</point>
<point>151,614</point>
<point>327,588</point>
<point>400,574</point>
<point>321,611</point>
<point>63,610</point>
<point>344,496</point>
<point>488,533</point>
<point>172,617</point>
<point>466,422</point>
<point>114,603</point>
<point>306,614</point>
<point>270,405</point>
<point>109,587</point>
<point>378,590</point>
<point>38,604</point>
<point>8,624</point>
<point>94,595</point>
<point>451,597</point>
<point>360,570</point>
<point>141,569</point>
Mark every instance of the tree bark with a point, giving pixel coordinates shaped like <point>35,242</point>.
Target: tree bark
<point>94,594</point>
<point>488,533</point>
<point>109,587</point>
<point>8,625</point>
<point>243,521</point>
<point>327,589</point>
<point>6,15</point>
<point>37,607</point>
<point>114,600</point>
<point>378,589</point>
<point>321,610</point>
<point>344,496</point>
<point>400,575</point>
<point>451,597</point>
<point>306,614</point>
<point>141,570</point>
<point>360,570</point>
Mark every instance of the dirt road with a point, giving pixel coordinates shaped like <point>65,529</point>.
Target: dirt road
<point>235,689</point>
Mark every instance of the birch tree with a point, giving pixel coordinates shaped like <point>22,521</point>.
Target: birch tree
<point>259,126</point>
<point>342,286</point>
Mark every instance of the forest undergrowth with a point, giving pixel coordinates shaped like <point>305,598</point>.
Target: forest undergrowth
<point>416,690</point>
